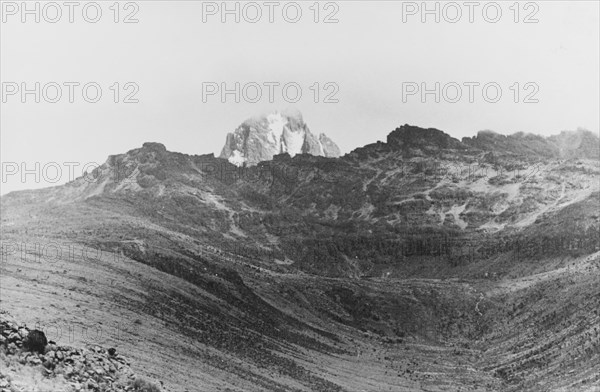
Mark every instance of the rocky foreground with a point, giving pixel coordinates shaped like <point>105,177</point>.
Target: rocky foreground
<point>27,367</point>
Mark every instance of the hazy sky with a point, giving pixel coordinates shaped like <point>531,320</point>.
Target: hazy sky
<point>370,54</point>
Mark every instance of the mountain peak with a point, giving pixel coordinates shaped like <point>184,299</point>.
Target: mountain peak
<point>416,140</point>
<point>152,146</point>
<point>261,138</point>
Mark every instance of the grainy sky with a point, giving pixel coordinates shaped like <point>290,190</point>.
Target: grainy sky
<point>371,54</point>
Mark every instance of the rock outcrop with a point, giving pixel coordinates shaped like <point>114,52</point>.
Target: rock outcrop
<point>259,139</point>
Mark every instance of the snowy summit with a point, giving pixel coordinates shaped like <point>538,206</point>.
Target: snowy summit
<point>260,138</point>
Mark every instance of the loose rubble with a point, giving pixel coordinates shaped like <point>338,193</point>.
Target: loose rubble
<point>92,369</point>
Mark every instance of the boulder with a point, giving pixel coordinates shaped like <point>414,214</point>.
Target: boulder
<point>36,341</point>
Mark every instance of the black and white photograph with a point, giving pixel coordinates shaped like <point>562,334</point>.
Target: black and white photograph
<point>299,196</point>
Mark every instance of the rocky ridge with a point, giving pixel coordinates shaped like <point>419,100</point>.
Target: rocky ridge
<point>581,144</point>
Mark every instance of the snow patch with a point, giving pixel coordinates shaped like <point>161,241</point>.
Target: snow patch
<point>237,158</point>
<point>294,141</point>
<point>455,211</point>
<point>276,123</point>
<point>321,149</point>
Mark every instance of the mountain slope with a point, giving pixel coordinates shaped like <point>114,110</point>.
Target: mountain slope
<point>404,265</point>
